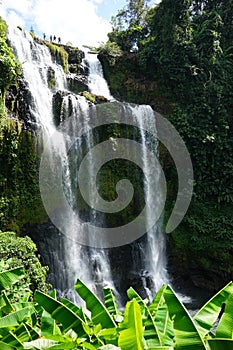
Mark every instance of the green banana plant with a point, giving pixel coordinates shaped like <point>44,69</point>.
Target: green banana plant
<point>208,314</point>
<point>111,305</point>
<point>186,334</point>
<point>165,324</point>
<point>9,277</point>
<point>131,337</point>
<point>99,313</point>
<point>61,313</point>
<point>158,330</point>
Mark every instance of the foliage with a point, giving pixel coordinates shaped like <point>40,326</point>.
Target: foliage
<point>88,95</point>
<point>19,186</point>
<point>21,251</point>
<point>186,52</point>
<point>111,50</point>
<point>59,54</point>
<point>9,66</point>
<point>128,26</point>
<point>48,323</point>
<point>202,246</point>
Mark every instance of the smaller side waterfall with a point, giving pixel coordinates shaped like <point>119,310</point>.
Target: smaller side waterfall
<point>96,82</point>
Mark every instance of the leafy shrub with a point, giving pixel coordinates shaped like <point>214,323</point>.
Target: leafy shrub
<point>9,66</point>
<point>21,251</point>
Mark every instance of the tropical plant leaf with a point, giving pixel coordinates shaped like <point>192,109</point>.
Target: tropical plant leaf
<point>13,340</point>
<point>60,313</point>
<point>132,336</point>
<point>111,305</point>
<point>208,314</point>
<point>6,305</point>
<point>41,344</point>
<point>158,312</point>
<point>150,330</point>
<point>225,325</point>
<point>161,348</point>
<point>109,347</point>
<point>48,325</point>
<point>110,335</point>
<point>99,312</point>
<point>158,329</point>
<point>4,346</point>
<point>15,318</point>
<point>77,310</point>
<point>220,344</point>
<point>9,277</point>
<point>186,334</point>
<point>132,294</point>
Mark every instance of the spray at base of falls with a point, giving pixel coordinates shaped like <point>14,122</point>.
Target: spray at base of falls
<point>69,260</point>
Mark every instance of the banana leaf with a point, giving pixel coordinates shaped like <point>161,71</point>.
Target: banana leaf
<point>208,314</point>
<point>5,303</point>
<point>48,325</point>
<point>13,340</point>
<point>186,334</point>
<point>15,318</point>
<point>111,305</point>
<point>220,344</point>
<point>4,346</point>
<point>41,344</point>
<point>9,277</point>
<point>132,294</point>
<point>161,348</point>
<point>109,347</point>
<point>132,336</point>
<point>60,313</point>
<point>77,310</point>
<point>160,315</point>
<point>20,335</point>
<point>225,325</point>
<point>158,329</point>
<point>99,312</point>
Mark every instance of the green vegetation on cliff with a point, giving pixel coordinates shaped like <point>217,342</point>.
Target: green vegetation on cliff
<point>178,57</point>
<point>20,200</point>
<point>9,67</point>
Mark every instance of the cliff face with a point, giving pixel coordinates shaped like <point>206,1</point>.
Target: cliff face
<point>200,249</point>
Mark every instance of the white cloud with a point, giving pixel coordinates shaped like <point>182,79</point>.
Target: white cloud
<point>13,18</point>
<point>73,20</point>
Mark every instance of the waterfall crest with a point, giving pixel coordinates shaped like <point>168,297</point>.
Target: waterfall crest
<point>69,260</point>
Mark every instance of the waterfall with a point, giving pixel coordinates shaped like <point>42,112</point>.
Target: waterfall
<point>37,65</point>
<point>154,272</point>
<point>96,82</point>
<point>67,258</point>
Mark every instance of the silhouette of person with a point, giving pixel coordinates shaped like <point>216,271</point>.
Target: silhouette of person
<point>51,38</point>
<point>59,40</point>
<point>44,36</point>
<point>54,38</point>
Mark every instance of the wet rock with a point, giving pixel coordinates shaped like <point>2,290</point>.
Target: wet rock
<point>77,83</point>
<point>18,101</point>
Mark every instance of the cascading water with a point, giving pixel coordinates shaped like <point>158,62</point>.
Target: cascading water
<point>69,260</point>
<point>37,65</point>
<point>96,82</point>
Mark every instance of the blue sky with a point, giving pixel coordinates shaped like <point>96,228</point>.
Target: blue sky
<point>81,22</point>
